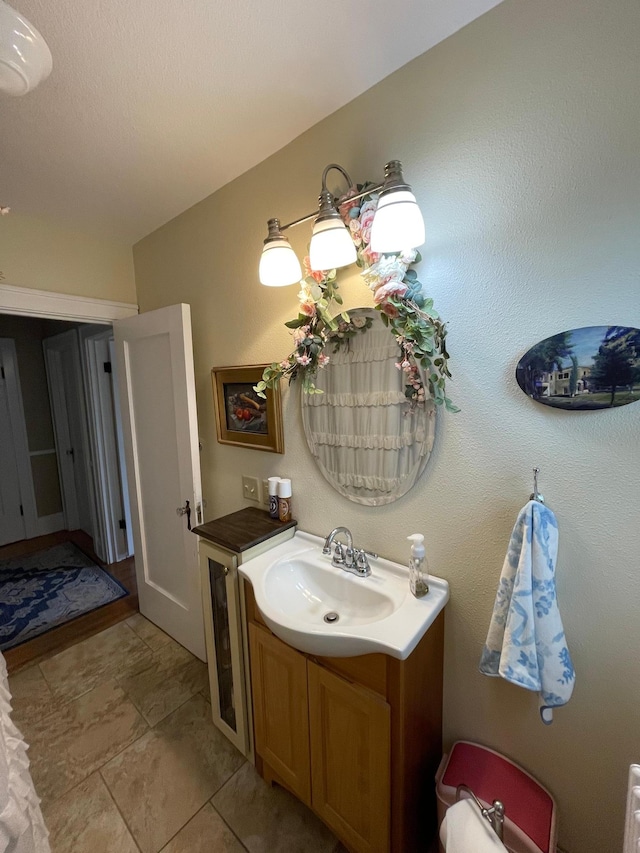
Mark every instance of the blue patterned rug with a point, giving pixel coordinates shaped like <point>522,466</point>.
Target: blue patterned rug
<point>41,591</point>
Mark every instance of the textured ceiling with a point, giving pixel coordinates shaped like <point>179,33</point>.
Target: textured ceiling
<point>154,104</point>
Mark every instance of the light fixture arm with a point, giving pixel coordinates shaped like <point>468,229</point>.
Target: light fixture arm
<point>335,199</point>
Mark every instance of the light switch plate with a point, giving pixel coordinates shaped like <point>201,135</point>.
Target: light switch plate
<point>250,488</point>
<point>265,494</point>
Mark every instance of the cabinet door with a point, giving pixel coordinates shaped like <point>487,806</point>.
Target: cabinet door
<point>281,719</point>
<point>350,760</point>
<point>223,635</point>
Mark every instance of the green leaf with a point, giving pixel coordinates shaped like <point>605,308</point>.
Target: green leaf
<point>295,324</point>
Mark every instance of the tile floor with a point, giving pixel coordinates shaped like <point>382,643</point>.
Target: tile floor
<point>126,759</point>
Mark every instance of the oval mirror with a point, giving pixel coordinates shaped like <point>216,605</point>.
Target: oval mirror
<point>368,440</point>
<point>596,367</point>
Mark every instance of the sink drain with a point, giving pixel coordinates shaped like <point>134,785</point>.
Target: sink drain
<point>331,617</point>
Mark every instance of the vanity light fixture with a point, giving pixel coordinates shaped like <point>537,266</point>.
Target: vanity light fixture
<point>397,225</point>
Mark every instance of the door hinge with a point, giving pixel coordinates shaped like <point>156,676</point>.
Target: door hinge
<point>107,367</point>
<point>122,524</point>
<point>21,510</point>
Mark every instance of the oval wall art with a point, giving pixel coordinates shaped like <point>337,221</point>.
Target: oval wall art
<point>597,367</point>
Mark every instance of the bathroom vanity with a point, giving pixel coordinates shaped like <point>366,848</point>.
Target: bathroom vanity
<point>355,736</point>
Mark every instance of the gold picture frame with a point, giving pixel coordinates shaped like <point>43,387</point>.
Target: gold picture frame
<point>242,418</point>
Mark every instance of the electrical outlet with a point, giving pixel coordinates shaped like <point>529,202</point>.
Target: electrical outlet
<point>265,494</point>
<point>250,488</point>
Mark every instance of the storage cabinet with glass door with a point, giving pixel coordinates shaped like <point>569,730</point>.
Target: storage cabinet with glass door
<point>223,545</point>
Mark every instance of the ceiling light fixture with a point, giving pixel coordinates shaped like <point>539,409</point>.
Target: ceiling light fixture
<point>397,226</point>
<point>25,59</point>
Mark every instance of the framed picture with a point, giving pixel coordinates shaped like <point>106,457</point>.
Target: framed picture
<point>243,418</point>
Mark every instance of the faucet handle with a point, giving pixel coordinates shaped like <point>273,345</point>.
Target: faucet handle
<point>338,555</point>
<point>362,563</point>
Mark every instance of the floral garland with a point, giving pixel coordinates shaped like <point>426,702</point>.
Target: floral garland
<point>398,296</point>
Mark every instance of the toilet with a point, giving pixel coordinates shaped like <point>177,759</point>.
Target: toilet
<point>530,810</point>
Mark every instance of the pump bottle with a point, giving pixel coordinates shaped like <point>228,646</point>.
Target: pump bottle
<point>418,567</point>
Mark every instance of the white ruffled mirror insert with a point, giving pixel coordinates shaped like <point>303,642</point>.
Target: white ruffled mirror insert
<point>365,436</point>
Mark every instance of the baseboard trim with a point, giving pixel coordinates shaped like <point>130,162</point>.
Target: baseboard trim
<point>50,523</point>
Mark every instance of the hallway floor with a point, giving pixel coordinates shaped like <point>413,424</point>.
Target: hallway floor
<point>125,757</point>
<point>83,626</point>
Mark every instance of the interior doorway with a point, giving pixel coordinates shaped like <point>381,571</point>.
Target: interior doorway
<point>62,474</point>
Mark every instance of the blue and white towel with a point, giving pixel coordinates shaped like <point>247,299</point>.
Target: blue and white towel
<point>526,643</point>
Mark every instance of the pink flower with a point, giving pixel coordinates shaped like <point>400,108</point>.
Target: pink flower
<point>284,365</point>
<point>390,309</point>
<point>369,257</point>
<point>300,334</point>
<point>304,360</point>
<point>318,275</point>
<point>323,359</point>
<point>366,218</point>
<point>386,291</point>
<point>346,205</point>
<point>308,308</point>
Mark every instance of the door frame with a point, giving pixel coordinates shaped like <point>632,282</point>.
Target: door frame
<point>20,440</point>
<point>29,302</point>
<point>109,479</point>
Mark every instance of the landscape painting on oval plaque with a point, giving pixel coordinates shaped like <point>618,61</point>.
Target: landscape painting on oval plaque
<point>366,437</point>
<point>596,367</point>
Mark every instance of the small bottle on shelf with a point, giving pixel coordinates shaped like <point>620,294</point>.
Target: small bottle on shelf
<point>273,496</point>
<point>284,500</point>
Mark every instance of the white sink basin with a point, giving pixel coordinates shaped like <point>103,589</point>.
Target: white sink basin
<point>296,586</point>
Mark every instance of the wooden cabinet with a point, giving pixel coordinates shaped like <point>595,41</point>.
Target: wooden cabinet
<point>224,544</point>
<point>350,759</point>
<point>358,739</point>
<point>280,708</point>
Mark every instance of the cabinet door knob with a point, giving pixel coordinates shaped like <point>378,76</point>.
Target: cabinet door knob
<point>226,571</point>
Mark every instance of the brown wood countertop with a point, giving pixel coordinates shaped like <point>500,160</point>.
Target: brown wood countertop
<point>241,530</point>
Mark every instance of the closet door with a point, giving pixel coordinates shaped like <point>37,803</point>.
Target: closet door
<point>350,760</point>
<point>281,720</point>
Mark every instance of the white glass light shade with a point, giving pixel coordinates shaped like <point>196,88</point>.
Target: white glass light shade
<point>279,265</point>
<point>331,245</point>
<point>25,59</point>
<point>397,224</point>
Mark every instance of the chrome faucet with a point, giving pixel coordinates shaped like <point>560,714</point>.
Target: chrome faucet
<point>350,559</point>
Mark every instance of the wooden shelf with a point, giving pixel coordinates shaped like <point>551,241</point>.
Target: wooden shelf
<point>242,530</point>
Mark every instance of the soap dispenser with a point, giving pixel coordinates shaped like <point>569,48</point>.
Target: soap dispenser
<point>418,567</point>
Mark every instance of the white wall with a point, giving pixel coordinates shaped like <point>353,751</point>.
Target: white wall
<point>520,137</point>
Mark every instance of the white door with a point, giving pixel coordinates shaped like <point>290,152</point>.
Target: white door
<point>66,391</point>
<point>11,519</point>
<point>157,396</point>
